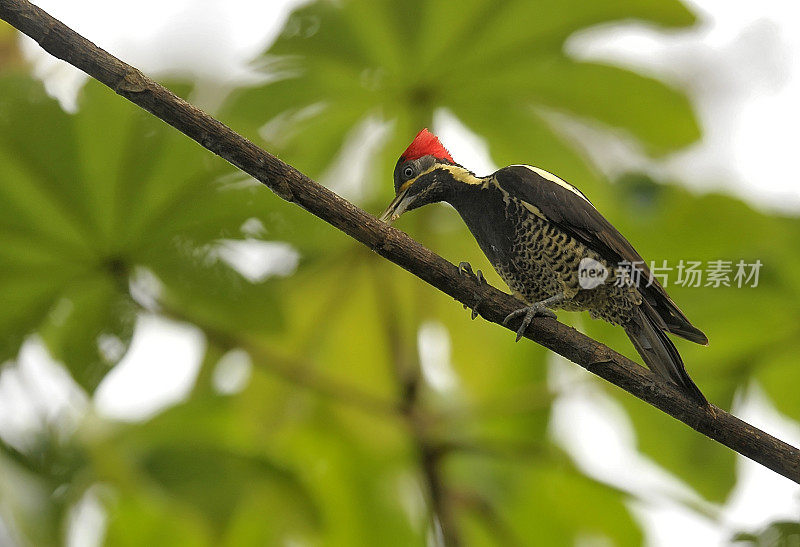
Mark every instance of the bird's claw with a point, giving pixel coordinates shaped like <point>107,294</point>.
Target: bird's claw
<point>473,312</point>
<point>464,268</point>
<point>534,310</point>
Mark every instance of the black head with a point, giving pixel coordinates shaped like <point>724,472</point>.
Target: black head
<point>419,177</point>
<point>416,183</point>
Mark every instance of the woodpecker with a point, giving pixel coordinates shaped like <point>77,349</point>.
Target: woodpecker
<point>542,234</point>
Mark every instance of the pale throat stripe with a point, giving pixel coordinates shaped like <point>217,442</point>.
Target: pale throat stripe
<point>552,178</point>
<point>458,172</point>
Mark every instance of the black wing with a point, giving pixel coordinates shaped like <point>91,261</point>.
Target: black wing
<point>565,206</point>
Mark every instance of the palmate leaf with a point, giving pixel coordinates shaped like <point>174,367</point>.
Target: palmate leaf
<point>86,200</point>
<point>495,66</point>
<point>400,61</point>
<point>499,401</point>
<point>541,500</point>
<point>202,459</point>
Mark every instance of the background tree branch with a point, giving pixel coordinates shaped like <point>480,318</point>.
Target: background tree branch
<point>293,186</point>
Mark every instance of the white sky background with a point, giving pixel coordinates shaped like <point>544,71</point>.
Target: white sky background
<point>742,70</point>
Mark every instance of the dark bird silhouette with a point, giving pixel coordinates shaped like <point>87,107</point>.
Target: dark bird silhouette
<point>553,248</point>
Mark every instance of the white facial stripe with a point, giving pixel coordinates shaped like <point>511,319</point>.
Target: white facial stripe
<point>459,173</point>
<point>552,178</point>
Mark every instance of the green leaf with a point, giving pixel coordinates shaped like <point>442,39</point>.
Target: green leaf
<point>742,343</point>
<point>211,294</point>
<point>86,200</point>
<point>618,98</point>
<point>778,374</point>
<point>347,66</point>
<point>293,457</point>
<point>335,65</point>
<point>214,480</point>
<point>142,517</point>
<point>42,154</point>
<point>504,132</point>
<point>706,465</point>
<point>543,501</point>
<point>778,533</point>
<point>202,457</point>
<point>89,329</point>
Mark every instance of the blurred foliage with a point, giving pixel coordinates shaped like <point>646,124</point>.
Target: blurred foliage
<point>495,66</point>
<point>777,534</point>
<point>108,214</point>
<point>87,199</point>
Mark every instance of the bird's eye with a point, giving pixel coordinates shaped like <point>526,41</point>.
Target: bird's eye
<point>408,172</point>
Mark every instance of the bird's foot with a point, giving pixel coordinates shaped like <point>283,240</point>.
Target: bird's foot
<point>464,268</point>
<point>540,309</point>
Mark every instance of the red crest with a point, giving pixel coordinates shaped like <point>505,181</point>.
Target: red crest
<point>426,144</point>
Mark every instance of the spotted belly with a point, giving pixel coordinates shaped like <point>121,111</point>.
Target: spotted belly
<point>544,261</point>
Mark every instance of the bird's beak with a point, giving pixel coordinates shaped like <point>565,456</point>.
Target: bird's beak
<point>397,207</point>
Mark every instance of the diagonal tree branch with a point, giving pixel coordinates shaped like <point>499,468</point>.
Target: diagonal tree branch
<point>392,244</point>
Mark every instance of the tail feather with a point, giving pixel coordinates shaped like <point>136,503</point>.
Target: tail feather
<point>669,316</point>
<point>660,354</point>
